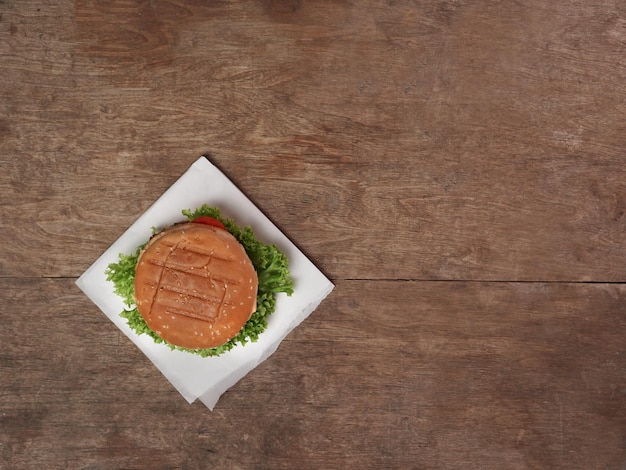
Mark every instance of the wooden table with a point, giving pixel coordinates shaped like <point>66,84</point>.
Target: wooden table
<point>456,168</point>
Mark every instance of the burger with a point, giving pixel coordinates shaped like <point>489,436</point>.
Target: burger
<point>202,285</point>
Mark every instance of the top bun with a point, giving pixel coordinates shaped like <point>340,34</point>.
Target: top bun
<point>195,285</point>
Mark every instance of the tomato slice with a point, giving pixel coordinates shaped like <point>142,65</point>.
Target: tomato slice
<point>206,220</point>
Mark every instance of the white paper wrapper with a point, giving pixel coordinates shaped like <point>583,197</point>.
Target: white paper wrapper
<point>193,376</point>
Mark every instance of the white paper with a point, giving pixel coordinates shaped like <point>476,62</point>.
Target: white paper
<point>194,376</point>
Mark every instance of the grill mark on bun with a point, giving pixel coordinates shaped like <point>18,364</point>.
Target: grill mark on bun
<point>189,314</point>
<point>160,278</point>
<point>196,295</point>
<point>195,272</point>
<point>197,251</point>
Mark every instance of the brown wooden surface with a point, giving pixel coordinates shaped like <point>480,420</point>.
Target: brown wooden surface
<point>456,168</point>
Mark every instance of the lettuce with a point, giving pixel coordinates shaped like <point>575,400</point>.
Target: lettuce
<point>272,270</point>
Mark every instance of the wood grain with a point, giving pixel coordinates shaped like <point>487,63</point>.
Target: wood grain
<point>415,375</point>
<point>482,149</point>
<point>455,167</point>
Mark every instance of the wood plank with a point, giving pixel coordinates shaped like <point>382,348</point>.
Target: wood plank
<point>415,375</point>
<point>479,142</point>
<point>563,221</point>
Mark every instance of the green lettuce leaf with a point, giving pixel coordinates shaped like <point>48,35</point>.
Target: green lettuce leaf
<point>272,269</point>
